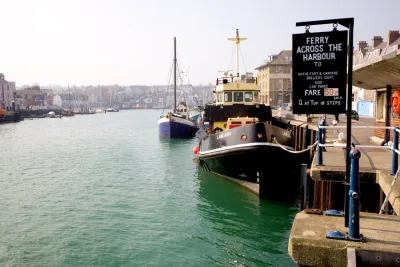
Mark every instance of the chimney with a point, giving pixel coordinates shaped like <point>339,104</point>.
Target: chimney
<point>376,40</point>
<point>362,45</point>
<point>393,36</point>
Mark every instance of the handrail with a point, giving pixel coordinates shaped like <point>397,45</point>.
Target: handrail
<point>357,127</point>
<point>395,147</point>
<point>362,146</point>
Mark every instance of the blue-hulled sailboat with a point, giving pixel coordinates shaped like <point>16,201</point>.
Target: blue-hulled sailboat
<point>177,124</point>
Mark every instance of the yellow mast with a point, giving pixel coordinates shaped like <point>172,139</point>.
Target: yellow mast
<point>237,39</point>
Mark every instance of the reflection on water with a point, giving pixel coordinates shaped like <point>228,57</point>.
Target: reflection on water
<point>105,190</point>
<point>251,230</point>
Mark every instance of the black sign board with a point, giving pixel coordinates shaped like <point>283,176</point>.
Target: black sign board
<point>319,72</point>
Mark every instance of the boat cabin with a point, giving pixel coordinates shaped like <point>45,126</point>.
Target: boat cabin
<point>236,104</point>
<point>182,110</point>
<point>234,90</point>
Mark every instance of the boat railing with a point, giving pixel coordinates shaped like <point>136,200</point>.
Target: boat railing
<point>225,80</point>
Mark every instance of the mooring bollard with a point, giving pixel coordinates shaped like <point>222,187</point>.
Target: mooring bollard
<point>320,141</point>
<point>354,197</point>
<point>395,157</point>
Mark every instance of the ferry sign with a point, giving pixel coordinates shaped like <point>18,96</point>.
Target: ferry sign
<point>319,72</point>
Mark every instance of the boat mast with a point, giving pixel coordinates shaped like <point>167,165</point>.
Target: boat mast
<point>174,74</point>
<point>69,97</point>
<point>237,39</point>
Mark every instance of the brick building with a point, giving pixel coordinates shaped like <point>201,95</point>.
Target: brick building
<point>376,69</point>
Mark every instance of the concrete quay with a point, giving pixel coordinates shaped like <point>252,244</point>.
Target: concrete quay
<point>308,245</point>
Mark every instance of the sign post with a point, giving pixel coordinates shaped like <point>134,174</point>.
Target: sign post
<point>329,45</point>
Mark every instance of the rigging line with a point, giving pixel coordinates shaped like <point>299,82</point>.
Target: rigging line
<point>170,71</point>
<point>232,55</point>
<point>169,82</point>
<point>240,50</point>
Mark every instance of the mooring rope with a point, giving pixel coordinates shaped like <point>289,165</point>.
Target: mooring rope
<point>295,152</point>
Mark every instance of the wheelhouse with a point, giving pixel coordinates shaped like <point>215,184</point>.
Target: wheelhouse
<point>232,90</point>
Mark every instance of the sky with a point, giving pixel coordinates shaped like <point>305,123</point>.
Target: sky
<point>90,42</point>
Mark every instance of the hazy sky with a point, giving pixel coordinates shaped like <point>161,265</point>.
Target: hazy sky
<point>88,42</point>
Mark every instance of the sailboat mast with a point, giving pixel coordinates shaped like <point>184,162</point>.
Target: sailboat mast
<point>174,74</point>
<point>69,97</point>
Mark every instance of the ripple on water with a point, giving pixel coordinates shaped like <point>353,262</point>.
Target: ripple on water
<point>105,190</point>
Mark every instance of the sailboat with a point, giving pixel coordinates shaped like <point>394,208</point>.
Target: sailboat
<point>177,124</point>
<point>111,109</point>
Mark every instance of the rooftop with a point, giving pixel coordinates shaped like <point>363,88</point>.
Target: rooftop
<point>283,58</point>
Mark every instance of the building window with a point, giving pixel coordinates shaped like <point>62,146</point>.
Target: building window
<point>377,52</point>
<point>352,97</point>
<point>238,96</point>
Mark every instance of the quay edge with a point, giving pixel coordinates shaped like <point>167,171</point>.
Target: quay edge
<point>308,245</point>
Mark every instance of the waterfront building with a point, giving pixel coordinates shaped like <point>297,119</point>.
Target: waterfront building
<point>275,79</point>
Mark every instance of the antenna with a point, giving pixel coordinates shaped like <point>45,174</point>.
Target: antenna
<point>237,39</point>
<point>226,72</point>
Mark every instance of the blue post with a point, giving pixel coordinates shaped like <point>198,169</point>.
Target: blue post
<point>395,157</point>
<point>354,197</point>
<point>320,141</point>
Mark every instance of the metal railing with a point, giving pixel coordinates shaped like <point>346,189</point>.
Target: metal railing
<point>354,190</point>
<point>395,148</point>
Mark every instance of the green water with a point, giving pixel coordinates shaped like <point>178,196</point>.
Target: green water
<point>105,190</point>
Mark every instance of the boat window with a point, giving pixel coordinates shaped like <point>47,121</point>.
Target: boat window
<point>228,97</point>
<point>256,96</point>
<point>219,97</point>
<point>238,96</point>
<point>248,96</point>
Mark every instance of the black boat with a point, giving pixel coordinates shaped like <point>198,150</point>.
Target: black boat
<point>239,141</point>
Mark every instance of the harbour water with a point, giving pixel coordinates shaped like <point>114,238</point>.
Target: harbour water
<point>105,190</point>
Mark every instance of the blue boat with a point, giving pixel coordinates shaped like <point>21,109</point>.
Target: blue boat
<point>174,126</point>
<point>177,124</point>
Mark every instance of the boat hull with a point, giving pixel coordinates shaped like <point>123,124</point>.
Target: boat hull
<point>176,128</point>
<point>256,160</point>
